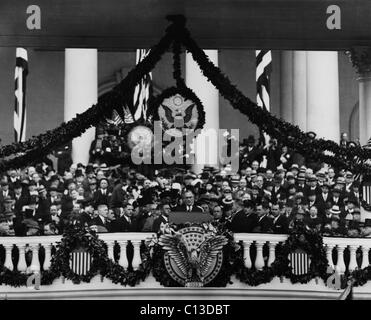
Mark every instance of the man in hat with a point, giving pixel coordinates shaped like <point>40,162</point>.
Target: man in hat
<point>337,198</point>
<point>366,229</point>
<point>337,228</point>
<point>235,180</point>
<point>313,221</point>
<point>312,185</point>
<point>349,179</point>
<point>331,177</point>
<point>348,211</point>
<point>277,189</point>
<point>327,216</point>
<point>300,185</point>
<point>5,192</point>
<point>294,169</point>
<point>355,225</point>
<point>119,195</point>
<point>31,226</point>
<point>323,198</point>
<point>321,177</point>
<point>251,152</point>
<point>103,194</point>
<point>311,199</point>
<point>354,192</point>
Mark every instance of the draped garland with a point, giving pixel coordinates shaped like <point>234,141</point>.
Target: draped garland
<point>101,265</point>
<point>153,261</point>
<point>305,143</point>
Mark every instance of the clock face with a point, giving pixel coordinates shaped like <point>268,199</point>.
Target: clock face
<point>140,136</point>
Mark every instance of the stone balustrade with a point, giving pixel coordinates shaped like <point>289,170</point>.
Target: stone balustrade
<point>342,253</point>
<point>16,259</point>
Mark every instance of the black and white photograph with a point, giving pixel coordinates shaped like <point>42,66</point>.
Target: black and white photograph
<point>191,151</point>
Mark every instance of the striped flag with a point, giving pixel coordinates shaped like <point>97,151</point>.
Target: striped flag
<point>116,119</point>
<point>143,90</point>
<point>300,262</point>
<point>80,261</point>
<point>128,118</point>
<point>263,73</point>
<point>21,71</point>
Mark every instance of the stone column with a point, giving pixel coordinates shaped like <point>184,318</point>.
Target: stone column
<point>323,116</point>
<point>299,89</point>
<point>206,144</point>
<point>286,85</point>
<point>80,93</point>
<point>361,60</point>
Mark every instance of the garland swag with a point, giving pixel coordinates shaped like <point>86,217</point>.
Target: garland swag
<point>101,264</point>
<point>233,263</point>
<point>305,143</point>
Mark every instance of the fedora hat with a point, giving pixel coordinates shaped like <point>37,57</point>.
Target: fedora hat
<point>335,210</point>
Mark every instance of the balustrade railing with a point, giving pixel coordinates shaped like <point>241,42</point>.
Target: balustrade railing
<point>259,250</point>
<point>22,253</point>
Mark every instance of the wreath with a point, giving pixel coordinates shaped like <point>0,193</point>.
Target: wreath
<point>309,241</point>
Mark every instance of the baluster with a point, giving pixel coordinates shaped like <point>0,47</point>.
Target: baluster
<point>48,256</point>
<point>8,256</point>
<point>365,262</point>
<point>110,245</point>
<point>35,263</point>
<point>246,253</point>
<point>329,249</point>
<point>137,260</point>
<point>259,261</point>
<point>341,264</point>
<point>22,266</point>
<point>123,258</point>
<point>353,260</point>
<point>272,252</point>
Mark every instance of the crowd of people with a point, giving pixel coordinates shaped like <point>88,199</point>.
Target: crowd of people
<point>270,194</point>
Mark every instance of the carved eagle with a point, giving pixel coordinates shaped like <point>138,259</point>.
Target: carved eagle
<point>185,114</point>
<point>193,263</point>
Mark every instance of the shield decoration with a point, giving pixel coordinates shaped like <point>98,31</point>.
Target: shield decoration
<point>300,262</point>
<point>80,261</point>
<point>366,193</point>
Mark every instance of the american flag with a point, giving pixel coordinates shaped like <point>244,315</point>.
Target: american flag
<point>21,71</point>
<point>116,118</point>
<point>263,72</point>
<point>143,90</point>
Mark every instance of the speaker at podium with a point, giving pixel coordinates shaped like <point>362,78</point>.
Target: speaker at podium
<point>190,217</point>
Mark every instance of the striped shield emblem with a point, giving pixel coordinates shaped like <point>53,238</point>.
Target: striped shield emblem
<point>300,262</point>
<point>366,192</point>
<point>80,261</point>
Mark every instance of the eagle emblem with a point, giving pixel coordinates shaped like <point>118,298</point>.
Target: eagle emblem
<point>193,257</point>
<point>177,113</point>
